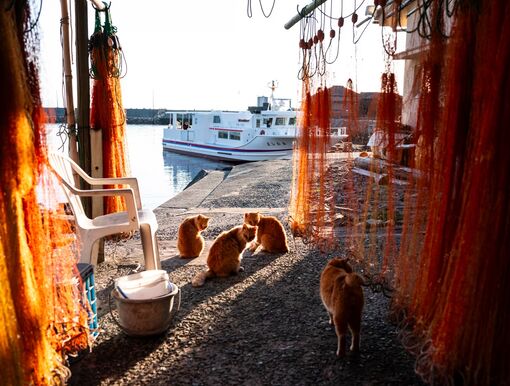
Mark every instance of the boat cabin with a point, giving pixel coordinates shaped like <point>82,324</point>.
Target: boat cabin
<point>228,127</point>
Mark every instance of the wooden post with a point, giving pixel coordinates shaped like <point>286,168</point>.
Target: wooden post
<point>96,148</point>
<point>85,150</point>
<point>68,82</point>
<point>96,166</point>
<point>83,88</point>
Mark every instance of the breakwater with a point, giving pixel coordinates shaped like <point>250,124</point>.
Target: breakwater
<point>133,116</point>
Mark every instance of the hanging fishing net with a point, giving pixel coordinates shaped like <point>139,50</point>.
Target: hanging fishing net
<point>107,113</point>
<point>42,311</point>
<point>459,272</point>
<point>434,233</point>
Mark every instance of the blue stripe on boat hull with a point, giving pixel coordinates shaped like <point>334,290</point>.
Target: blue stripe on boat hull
<point>229,149</point>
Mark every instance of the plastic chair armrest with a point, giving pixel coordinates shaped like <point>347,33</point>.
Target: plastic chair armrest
<point>127,193</point>
<point>131,181</point>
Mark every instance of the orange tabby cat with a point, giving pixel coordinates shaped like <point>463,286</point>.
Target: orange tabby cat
<point>224,257</point>
<point>190,242</point>
<point>270,233</point>
<point>342,295</point>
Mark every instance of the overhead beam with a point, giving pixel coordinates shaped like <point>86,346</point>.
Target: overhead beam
<point>304,12</point>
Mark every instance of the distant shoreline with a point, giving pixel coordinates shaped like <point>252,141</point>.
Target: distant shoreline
<point>133,116</point>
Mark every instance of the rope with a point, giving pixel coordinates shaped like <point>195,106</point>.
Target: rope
<point>32,26</point>
<point>249,10</point>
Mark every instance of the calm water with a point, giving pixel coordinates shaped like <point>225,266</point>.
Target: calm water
<point>161,174</point>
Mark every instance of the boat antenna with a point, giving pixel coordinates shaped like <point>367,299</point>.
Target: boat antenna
<point>272,85</point>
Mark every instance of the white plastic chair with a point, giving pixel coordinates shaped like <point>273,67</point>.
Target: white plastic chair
<point>91,230</point>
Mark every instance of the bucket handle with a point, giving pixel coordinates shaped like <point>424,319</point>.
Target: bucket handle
<point>176,309</point>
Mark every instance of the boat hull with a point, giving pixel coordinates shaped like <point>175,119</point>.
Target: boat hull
<point>240,154</point>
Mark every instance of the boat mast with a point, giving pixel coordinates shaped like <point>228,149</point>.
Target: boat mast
<point>272,85</point>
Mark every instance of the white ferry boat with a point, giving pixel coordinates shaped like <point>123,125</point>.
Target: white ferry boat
<point>256,135</point>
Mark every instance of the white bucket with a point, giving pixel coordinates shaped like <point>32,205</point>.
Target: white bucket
<point>143,285</point>
<point>149,307</point>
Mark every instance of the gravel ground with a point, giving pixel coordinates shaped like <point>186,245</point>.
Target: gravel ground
<point>265,326</point>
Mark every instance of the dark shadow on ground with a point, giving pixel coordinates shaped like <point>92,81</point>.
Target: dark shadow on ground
<point>115,352</point>
<point>266,326</point>
<point>276,332</point>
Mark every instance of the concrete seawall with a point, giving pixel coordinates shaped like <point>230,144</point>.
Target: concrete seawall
<point>224,196</point>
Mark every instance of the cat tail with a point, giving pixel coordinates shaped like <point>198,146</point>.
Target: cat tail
<point>200,278</point>
<point>354,280</point>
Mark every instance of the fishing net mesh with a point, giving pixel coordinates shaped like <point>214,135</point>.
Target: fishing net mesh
<point>107,113</point>
<point>42,310</point>
<point>438,240</point>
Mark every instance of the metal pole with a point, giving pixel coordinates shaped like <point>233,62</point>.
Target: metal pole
<point>305,11</point>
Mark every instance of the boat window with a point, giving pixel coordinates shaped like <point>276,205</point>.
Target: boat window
<point>292,121</point>
<point>280,121</point>
<point>223,134</point>
<point>236,136</point>
<point>184,121</point>
<point>171,119</point>
<point>216,119</point>
<point>268,122</point>
<point>258,123</point>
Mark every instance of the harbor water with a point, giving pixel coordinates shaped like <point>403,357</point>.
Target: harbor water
<point>161,174</point>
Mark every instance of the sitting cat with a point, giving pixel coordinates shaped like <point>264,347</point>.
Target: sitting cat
<point>270,233</point>
<point>224,257</point>
<point>190,242</point>
<point>342,295</point>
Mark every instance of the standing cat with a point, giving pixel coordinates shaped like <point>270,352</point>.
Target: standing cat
<point>190,242</point>
<point>224,257</point>
<point>270,233</point>
<point>342,295</point>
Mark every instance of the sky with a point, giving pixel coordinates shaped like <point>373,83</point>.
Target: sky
<point>202,54</point>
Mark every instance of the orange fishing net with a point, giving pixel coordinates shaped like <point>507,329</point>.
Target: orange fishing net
<point>41,315</point>
<point>440,237</point>
<point>107,113</point>
<point>463,263</point>
<point>310,187</point>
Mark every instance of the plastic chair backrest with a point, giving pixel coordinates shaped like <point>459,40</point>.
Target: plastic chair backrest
<point>63,166</point>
